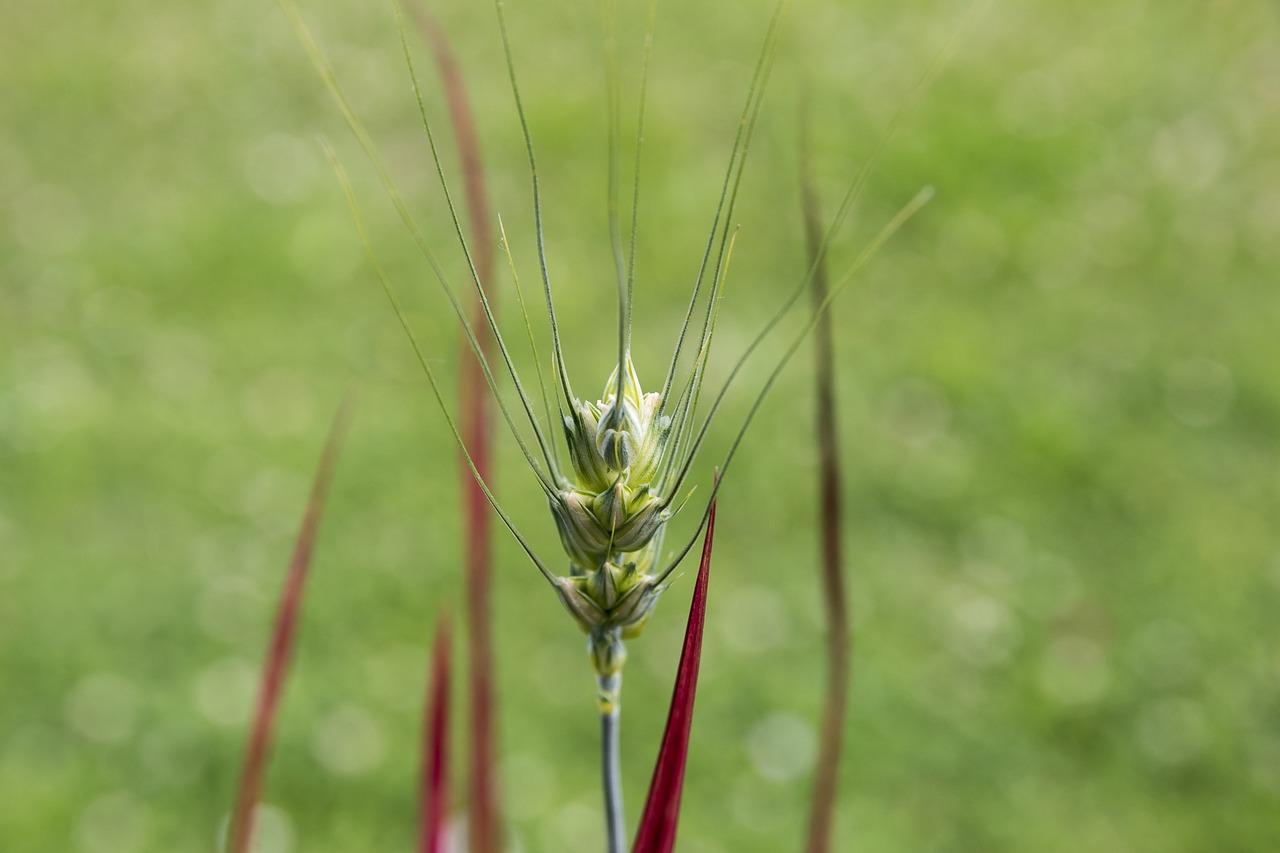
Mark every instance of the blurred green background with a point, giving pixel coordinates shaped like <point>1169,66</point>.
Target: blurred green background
<point>1059,403</point>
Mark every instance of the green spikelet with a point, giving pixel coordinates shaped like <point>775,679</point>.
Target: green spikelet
<point>611,516</point>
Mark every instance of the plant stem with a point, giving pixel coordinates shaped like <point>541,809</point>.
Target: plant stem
<point>610,766</point>
<point>826,781</point>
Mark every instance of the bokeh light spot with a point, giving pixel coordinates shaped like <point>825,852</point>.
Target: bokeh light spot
<point>229,609</point>
<point>529,782</point>
<point>983,632</point>
<point>114,823</point>
<point>272,830</point>
<point>577,826</point>
<point>349,742</point>
<point>781,747</point>
<point>224,691</point>
<point>753,619</point>
<point>281,169</point>
<point>103,707</point>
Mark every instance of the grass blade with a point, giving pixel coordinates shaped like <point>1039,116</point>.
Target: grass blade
<point>475,415</point>
<point>433,814</point>
<point>363,232</point>
<point>733,176</point>
<point>557,352</point>
<point>657,832</point>
<point>826,781</point>
<point>325,70</point>
<point>909,210</point>
<point>479,221</point>
<point>240,831</point>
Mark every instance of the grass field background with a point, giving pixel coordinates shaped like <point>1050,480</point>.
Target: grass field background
<point>1059,406</point>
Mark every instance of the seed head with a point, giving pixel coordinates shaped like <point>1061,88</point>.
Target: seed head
<point>611,516</point>
<point>610,597</point>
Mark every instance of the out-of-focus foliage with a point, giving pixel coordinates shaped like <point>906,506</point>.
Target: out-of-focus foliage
<point>1059,400</point>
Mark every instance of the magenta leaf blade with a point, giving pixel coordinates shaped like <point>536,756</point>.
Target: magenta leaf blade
<point>279,654</point>
<point>657,831</point>
<point>434,806</point>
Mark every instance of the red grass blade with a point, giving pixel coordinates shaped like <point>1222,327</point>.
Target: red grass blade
<point>475,415</point>
<point>432,831</point>
<point>657,832</point>
<point>826,776</point>
<point>240,831</point>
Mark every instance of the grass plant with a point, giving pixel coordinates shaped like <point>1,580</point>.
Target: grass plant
<point>631,451</point>
<point>1056,407</point>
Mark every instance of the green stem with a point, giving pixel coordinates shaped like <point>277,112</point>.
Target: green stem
<point>615,817</point>
<point>610,766</point>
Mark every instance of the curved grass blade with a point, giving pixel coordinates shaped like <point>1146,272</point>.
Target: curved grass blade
<point>475,420</point>
<point>358,216</point>
<point>732,179</point>
<point>891,227</point>
<point>854,191</point>
<point>478,265</point>
<point>533,345</point>
<point>324,69</point>
<point>657,832</point>
<point>434,806</point>
<point>851,195</point>
<point>557,354</point>
<point>468,142</point>
<point>650,23</point>
<point>613,98</point>
<point>826,780</point>
<point>687,404</point>
<point>240,830</point>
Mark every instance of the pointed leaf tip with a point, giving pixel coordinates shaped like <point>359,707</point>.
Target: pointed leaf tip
<point>434,805</point>
<point>276,667</point>
<point>657,832</point>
